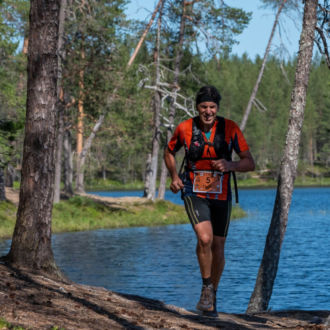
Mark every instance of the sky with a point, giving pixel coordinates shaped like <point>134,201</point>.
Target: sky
<point>254,38</point>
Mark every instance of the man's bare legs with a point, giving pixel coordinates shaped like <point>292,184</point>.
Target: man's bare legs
<point>210,254</point>
<point>204,234</point>
<point>218,259</point>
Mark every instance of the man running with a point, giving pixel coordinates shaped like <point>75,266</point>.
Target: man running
<point>208,141</point>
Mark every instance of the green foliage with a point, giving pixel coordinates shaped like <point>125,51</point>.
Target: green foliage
<point>4,325</point>
<point>12,96</point>
<point>214,26</point>
<point>92,49</point>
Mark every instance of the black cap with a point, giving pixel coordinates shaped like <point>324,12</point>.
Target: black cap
<point>208,94</point>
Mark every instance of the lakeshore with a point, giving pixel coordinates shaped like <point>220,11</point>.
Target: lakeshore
<point>30,301</point>
<point>90,212</point>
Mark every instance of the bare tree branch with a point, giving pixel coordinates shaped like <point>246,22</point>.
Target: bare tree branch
<point>144,34</point>
<point>323,50</point>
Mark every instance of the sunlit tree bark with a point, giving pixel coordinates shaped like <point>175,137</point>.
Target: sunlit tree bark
<point>80,130</point>
<point>268,268</point>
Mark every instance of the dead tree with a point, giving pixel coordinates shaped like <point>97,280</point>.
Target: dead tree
<point>151,175</point>
<point>178,58</point>
<point>261,72</point>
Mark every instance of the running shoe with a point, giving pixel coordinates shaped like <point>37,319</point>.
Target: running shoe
<point>213,312</point>
<point>206,301</point>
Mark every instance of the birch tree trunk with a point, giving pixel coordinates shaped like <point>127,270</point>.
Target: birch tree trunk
<point>60,109</point>
<point>82,156</point>
<point>268,268</point>
<point>147,177</point>
<point>151,190</point>
<point>261,72</point>
<point>179,54</point>
<point>31,244</point>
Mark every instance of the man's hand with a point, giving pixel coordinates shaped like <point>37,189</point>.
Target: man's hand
<point>245,164</point>
<point>176,185</point>
<point>222,165</point>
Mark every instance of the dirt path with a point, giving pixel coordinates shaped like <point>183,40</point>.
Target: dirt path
<point>12,195</point>
<point>36,302</point>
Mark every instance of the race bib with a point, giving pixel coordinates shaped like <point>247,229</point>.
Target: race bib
<point>208,182</point>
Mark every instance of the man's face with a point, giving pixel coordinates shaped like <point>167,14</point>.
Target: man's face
<point>207,113</point>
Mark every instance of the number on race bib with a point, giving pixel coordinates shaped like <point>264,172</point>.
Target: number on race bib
<point>208,182</point>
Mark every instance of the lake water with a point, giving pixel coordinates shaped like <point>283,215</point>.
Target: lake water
<point>160,262</point>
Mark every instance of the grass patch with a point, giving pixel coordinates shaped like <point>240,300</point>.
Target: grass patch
<point>82,213</point>
<point>107,185</point>
<point>7,219</point>
<point>305,181</point>
<point>4,325</point>
<point>237,212</point>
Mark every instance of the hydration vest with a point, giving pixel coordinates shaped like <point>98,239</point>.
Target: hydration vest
<point>199,151</point>
<point>196,150</point>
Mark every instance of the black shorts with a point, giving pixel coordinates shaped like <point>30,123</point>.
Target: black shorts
<point>203,209</point>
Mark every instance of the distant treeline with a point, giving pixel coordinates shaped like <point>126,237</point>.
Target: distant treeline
<point>120,149</point>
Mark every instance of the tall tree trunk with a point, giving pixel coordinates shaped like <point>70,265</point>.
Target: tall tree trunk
<point>261,72</point>
<point>268,268</point>
<point>68,163</point>
<point>31,244</point>
<point>82,156</point>
<point>179,54</point>
<point>60,109</point>
<point>80,130</point>
<point>2,185</point>
<point>156,117</point>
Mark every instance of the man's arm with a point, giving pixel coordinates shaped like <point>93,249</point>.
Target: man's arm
<point>176,183</point>
<point>245,164</point>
